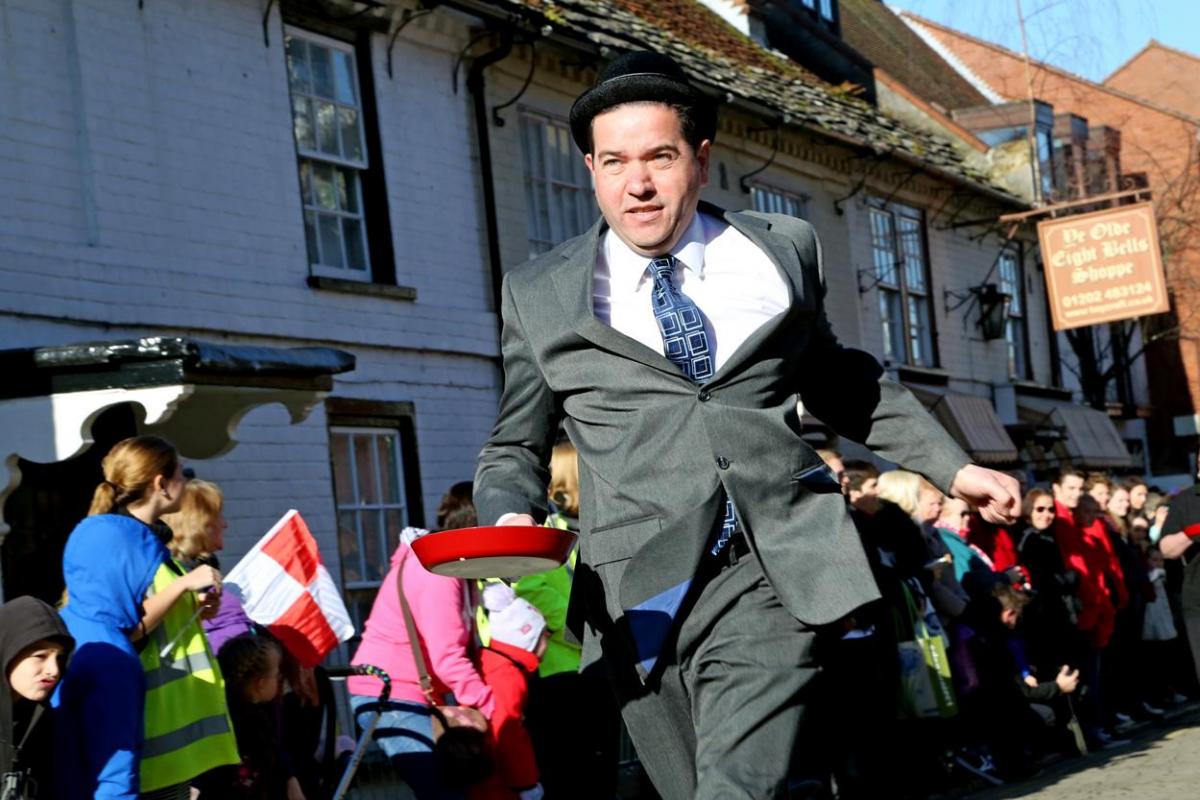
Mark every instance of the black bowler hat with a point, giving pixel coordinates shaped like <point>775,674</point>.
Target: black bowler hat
<point>640,76</point>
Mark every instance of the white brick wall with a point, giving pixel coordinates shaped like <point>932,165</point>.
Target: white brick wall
<point>174,136</point>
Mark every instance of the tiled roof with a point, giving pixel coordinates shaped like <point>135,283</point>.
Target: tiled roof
<point>721,57</point>
<point>872,29</point>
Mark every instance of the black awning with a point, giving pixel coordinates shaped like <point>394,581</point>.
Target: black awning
<point>158,361</point>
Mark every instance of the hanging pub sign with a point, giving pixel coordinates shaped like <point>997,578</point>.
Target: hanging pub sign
<point>1103,266</point>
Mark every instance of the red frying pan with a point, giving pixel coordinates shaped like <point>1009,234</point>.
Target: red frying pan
<point>498,551</point>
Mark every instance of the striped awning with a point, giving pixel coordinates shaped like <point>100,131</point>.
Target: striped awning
<point>973,423</point>
<point>1092,440</point>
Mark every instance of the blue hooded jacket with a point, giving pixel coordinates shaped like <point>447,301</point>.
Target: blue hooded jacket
<point>109,563</point>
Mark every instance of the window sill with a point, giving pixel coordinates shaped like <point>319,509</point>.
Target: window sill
<point>929,376</point>
<point>1029,388</point>
<point>362,288</point>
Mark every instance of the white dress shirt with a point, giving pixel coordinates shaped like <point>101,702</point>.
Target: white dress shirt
<point>733,282</point>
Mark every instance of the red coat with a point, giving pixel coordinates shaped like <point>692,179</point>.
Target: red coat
<point>993,540</point>
<point>1089,553</point>
<point>506,670</point>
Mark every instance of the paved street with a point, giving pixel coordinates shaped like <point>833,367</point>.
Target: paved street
<point>1161,764</point>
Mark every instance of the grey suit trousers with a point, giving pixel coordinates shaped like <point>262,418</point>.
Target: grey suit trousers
<point>722,720</point>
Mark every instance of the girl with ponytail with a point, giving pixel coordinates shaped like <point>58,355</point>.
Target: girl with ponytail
<point>109,564</point>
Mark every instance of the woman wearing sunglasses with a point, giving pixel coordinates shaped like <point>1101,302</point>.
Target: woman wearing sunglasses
<point>1053,610</point>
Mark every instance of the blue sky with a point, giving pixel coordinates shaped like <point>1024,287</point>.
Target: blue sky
<point>1088,37</point>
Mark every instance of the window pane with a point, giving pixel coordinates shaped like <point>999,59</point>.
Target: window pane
<point>343,78</point>
<point>310,237</point>
<point>297,61</point>
<point>302,123</point>
<point>347,192</point>
<point>351,140</point>
<point>920,331</point>
<point>883,247</point>
<point>331,240</point>
<point>339,457</point>
<point>372,546</point>
<point>395,519</point>
<point>324,189</point>
<point>364,462</point>
<point>327,132</point>
<point>913,253</point>
<point>322,70</point>
<point>389,468</point>
<point>305,182</point>
<point>348,547</point>
<point>893,326</point>
<point>352,235</point>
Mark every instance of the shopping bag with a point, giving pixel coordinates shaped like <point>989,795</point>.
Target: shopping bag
<point>939,699</point>
<point>917,698</point>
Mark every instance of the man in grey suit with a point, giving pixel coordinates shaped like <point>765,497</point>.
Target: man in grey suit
<point>672,341</point>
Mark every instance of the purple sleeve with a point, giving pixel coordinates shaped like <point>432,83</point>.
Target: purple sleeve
<point>231,620</point>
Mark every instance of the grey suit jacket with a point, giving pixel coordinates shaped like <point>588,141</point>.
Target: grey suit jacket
<point>655,449</point>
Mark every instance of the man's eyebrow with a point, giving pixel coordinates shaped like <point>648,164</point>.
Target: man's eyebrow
<point>603,153</point>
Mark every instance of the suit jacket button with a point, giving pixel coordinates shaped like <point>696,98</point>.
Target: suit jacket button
<point>723,462</point>
<point>704,396</point>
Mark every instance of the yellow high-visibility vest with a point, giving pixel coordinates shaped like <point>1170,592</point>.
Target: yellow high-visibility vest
<point>188,729</point>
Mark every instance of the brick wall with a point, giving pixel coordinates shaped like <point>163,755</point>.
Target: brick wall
<point>1162,74</point>
<point>1154,140</point>
<point>149,187</point>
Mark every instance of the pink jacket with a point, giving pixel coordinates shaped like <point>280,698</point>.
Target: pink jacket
<point>443,619</point>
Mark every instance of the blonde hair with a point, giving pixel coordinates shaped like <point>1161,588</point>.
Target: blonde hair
<point>564,478</point>
<point>904,489</point>
<point>129,471</point>
<point>202,502</point>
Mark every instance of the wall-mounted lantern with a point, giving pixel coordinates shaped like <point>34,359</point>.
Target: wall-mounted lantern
<point>993,310</point>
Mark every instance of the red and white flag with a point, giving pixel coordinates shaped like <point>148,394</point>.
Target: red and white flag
<point>284,586</point>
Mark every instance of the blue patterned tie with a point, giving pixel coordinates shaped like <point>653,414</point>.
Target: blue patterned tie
<point>686,342</point>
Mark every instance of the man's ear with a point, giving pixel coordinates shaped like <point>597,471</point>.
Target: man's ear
<point>591,165</point>
<point>703,152</point>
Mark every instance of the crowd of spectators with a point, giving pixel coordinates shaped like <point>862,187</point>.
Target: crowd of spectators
<point>988,649</point>
<point>1060,633</point>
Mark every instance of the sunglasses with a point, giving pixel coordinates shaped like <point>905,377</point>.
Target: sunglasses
<point>1042,509</point>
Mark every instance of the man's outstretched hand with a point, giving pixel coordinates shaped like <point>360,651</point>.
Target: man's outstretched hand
<point>995,495</point>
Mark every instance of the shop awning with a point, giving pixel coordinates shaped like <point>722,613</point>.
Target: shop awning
<point>1091,439</point>
<point>192,392</point>
<point>973,423</point>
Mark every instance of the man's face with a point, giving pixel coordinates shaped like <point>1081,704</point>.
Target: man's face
<point>648,178</point>
<point>1069,491</point>
<point>866,497</point>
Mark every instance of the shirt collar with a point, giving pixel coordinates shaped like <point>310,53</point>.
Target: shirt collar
<point>627,268</point>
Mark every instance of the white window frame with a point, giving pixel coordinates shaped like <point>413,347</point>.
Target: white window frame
<point>892,270</point>
<point>541,181</point>
<point>773,200</point>
<point>1016,330</point>
<point>350,588</point>
<point>316,156</point>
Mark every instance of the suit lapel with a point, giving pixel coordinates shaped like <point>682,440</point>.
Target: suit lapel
<point>574,281</point>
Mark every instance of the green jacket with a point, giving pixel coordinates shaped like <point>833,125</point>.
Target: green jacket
<point>550,592</point>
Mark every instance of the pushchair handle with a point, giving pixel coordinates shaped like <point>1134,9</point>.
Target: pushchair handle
<point>366,670</point>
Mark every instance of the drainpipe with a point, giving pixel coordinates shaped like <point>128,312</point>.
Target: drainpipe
<point>477,88</point>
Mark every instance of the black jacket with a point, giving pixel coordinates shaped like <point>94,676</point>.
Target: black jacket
<point>26,727</point>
